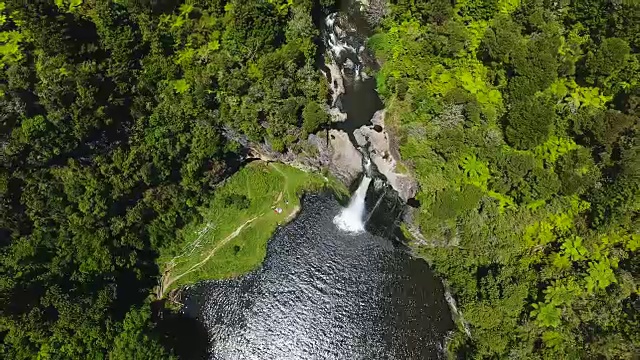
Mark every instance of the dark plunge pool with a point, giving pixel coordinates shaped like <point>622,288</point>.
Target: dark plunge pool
<point>324,294</point>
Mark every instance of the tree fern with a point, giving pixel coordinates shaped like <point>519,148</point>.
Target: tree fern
<point>546,315</point>
<point>601,274</point>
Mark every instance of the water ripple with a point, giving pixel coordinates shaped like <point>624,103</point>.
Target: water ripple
<point>323,294</point>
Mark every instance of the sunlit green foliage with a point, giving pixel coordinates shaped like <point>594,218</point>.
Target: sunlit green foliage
<point>476,171</point>
<point>111,136</point>
<point>547,315</point>
<point>68,5</point>
<point>525,145</point>
<point>207,249</point>
<point>574,96</point>
<point>11,38</point>
<point>552,149</point>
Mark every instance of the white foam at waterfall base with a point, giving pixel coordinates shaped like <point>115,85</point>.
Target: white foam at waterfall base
<point>351,218</point>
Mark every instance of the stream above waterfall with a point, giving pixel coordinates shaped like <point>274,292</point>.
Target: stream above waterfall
<point>354,89</point>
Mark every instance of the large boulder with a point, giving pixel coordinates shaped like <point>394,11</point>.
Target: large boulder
<point>330,150</point>
<point>334,151</point>
<point>346,160</point>
<point>374,10</point>
<point>336,115</point>
<point>384,154</point>
<point>336,83</point>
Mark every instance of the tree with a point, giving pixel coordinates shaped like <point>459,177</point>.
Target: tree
<point>547,315</point>
<point>540,203</point>
<point>529,123</point>
<point>502,42</point>
<point>451,203</point>
<point>313,116</point>
<point>427,11</point>
<point>576,171</point>
<point>609,58</point>
<point>111,134</point>
<point>133,342</point>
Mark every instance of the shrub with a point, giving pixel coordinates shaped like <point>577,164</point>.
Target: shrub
<point>529,123</point>
<point>313,116</point>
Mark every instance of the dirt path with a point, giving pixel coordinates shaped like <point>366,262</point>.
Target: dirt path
<point>284,186</point>
<point>167,280</point>
<point>279,198</point>
<point>281,173</point>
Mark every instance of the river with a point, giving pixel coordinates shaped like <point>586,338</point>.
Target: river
<point>325,294</point>
<point>322,292</point>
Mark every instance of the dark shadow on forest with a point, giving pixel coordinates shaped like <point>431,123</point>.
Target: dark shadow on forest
<point>187,337</point>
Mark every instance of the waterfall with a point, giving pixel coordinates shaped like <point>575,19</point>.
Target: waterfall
<point>351,217</point>
<point>354,95</point>
<point>338,39</point>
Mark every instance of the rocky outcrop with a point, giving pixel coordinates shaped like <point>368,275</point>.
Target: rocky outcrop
<point>336,115</point>
<point>334,151</point>
<point>374,10</point>
<point>336,82</point>
<point>384,154</point>
<point>346,160</point>
<point>330,150</point>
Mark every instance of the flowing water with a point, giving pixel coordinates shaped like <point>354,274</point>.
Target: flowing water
<point>351,218</point>
<point>354,89</point>
<point>324,293</point>
<point>329,288</point>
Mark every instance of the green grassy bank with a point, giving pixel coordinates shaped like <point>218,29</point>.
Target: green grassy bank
<point>231,238</point>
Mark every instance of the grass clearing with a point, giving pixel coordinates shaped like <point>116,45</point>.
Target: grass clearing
<point>238,222</point>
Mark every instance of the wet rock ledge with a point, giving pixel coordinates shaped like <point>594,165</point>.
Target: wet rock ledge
<point>327,150</point>
<point>384,153</point>
<point>332,150</point>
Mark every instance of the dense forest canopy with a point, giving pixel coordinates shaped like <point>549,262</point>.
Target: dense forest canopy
<point>111,115</point>
<point>520,121</point>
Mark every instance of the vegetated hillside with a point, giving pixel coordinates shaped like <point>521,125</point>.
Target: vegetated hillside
<point>520,121</point>
<point>237,222</point>
<point>111,115</point>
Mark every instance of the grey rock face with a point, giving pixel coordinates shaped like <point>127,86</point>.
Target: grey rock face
<point>385,156</point>
<point>330,150</point>
<point>374,10</point>
<point>346,160</point>
<point>336,82</point>
<point>337,115</point>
